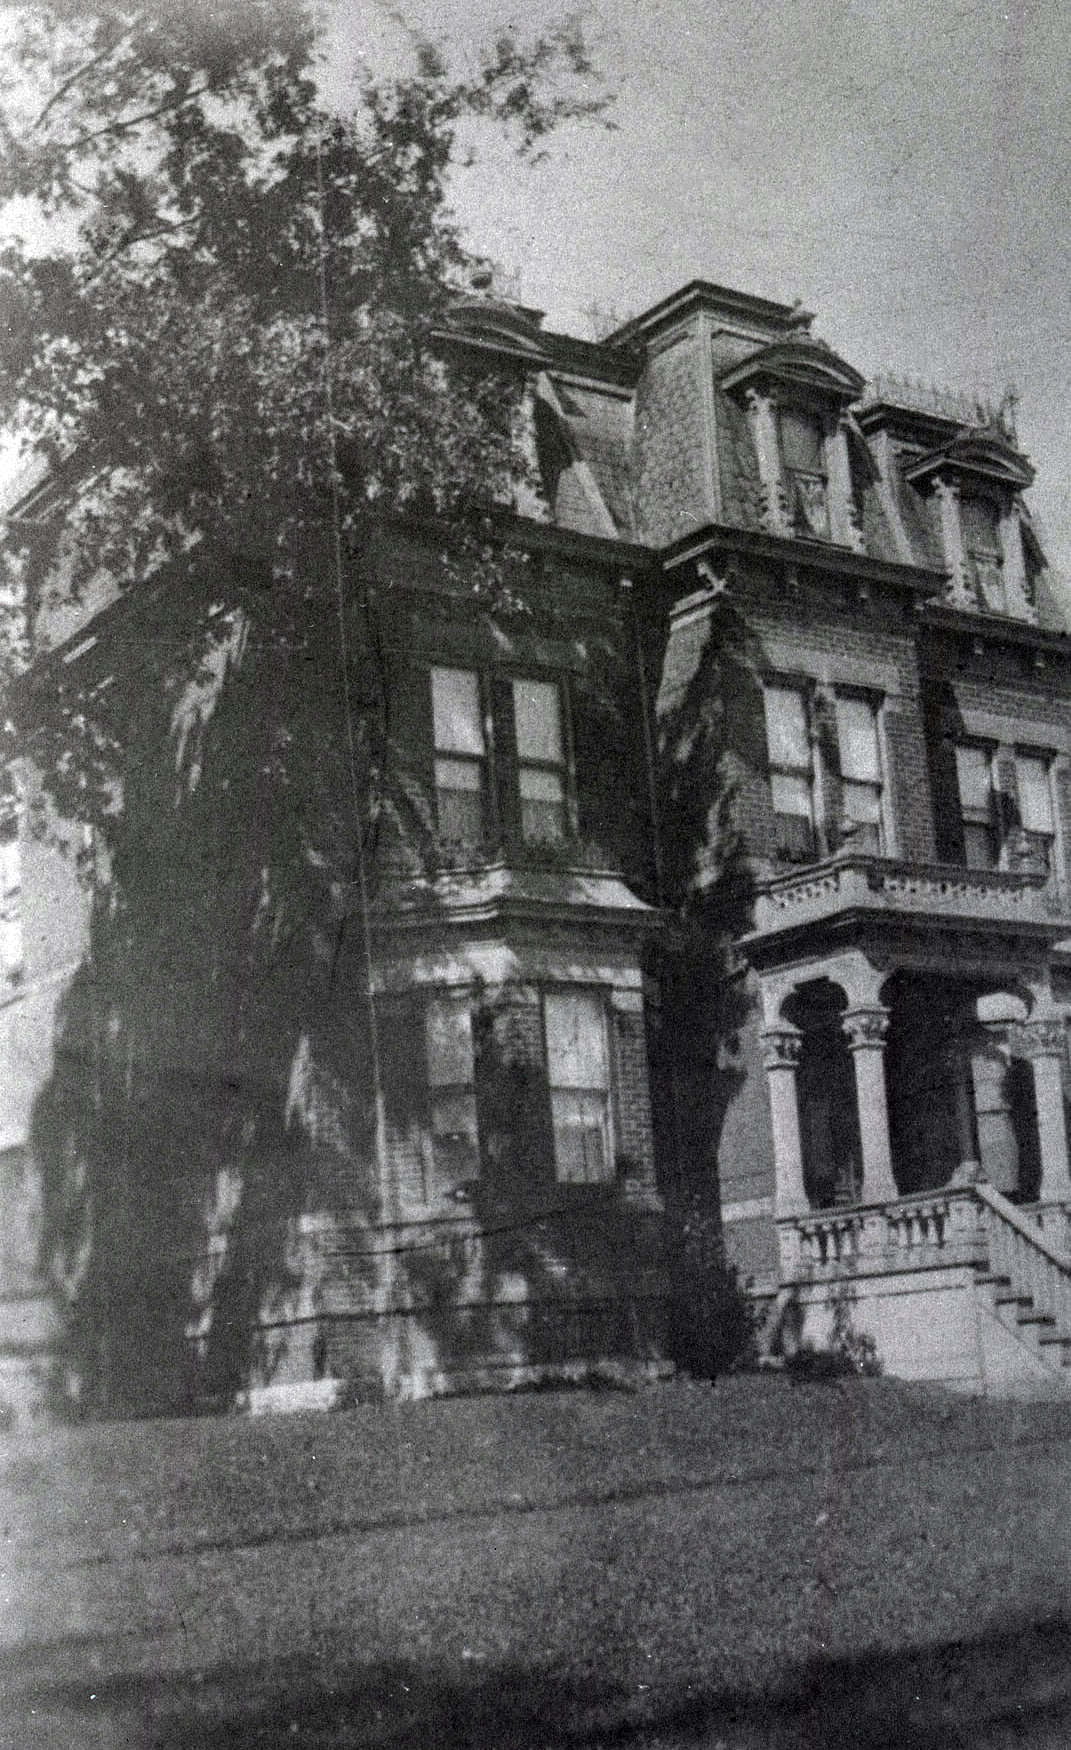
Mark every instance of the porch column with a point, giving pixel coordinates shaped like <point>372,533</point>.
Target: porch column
<point>959,1067</point>
<point>1045,1043</point>
<point>865,1030</point>
<point>781,1047</point>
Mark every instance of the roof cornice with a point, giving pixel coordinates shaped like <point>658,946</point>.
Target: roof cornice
<point>810,556</point>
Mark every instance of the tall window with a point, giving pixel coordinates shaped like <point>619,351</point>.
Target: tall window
<point>460,754</point>
<point>804,466</point>
<point>1036,814</point>
<point>980,524</point>
<point>541,764</point>
<point>578,1071</point>
<point>791,776</point>
<point>860,771</point>
<point>451,1091</point>
<point>974,775</point>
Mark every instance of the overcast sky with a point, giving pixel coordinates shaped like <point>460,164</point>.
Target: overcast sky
<point>900,165</point>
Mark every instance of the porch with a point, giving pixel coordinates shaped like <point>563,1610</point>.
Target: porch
<point>915,1061</point>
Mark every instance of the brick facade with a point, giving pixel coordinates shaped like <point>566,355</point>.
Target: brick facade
<point>673,579</point>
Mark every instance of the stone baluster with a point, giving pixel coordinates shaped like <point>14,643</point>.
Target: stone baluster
<point>866,1029</point>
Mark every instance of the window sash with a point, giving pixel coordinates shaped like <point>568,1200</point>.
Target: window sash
<point>537,716</point>
<point>787,740</point>
<point>575,1027</point>
<point>448,1042</point>
<point>974,777</point>
<point>857,739</point>
<point>581,1136</point>
<point>802,442</point>
<point>1035,795</point>
<point>457,717</point>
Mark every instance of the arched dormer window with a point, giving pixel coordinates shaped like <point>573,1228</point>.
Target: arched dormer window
<point>797,392</point>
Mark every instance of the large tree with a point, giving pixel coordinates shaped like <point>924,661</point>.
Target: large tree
<point>222,335</point>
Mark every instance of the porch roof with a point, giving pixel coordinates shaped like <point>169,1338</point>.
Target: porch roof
<point>911,904</point>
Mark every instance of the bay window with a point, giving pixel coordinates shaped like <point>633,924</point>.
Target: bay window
<point>578,1073</point>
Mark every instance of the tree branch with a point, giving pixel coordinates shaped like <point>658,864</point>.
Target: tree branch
<point>79,73</point>
<point>173,103</point>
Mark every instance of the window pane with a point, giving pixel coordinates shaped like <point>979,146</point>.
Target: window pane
<point>540,786</point>
<point>972,774</point>
<point>576,1043</point>
<point>980,525</point>
<point>786,728</point>
<point>454,1138</point>
<point>457,775</point>
<point>1035,797</point>
<point>448,1036</point>
<point>455,708</point>
<point>857,734</point>
<point>538,714</point>
<point>862,803</point>
<point>979,847</point>
<point>581,1141</point>
<point>801,441</point>
<point>791,795</point>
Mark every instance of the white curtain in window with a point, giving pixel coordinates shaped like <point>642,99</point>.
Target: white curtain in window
<point>448,1032</point>
<point>857,735</point>
<point>786,728</point>
<point>1035,795</point>
<point>972,774</point>
<point>455,706</point>
<point>538,716</point>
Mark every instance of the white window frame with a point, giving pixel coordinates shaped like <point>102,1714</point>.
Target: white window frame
<point>585,1108</point>
<point>450,1175</point>
<point>544,771</point>
<point>808,773</point>
<point>875,705</point>
<point>473,760</point>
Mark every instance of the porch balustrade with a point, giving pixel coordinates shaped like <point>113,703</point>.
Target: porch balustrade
<point>910,1233</point>
<point>962,1225</point>
<point>861,883</point>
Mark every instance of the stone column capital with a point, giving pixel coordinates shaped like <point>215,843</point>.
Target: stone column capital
<point>781,1047</point>
<point>866,1028</point>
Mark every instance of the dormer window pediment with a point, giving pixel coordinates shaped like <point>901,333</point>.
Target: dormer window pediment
<point>803,367</point>
<point>976,459</point>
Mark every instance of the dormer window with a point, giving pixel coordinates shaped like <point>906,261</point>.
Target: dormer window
<point>983,553</point>
<point>796,392</point>
<point>803,464</point>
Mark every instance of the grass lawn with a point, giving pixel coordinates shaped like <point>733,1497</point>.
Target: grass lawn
<point>763,1562</point>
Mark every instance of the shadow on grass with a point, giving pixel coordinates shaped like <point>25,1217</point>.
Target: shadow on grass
<point>1009,1687</point>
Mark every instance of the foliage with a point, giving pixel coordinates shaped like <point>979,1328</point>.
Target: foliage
<point>225,341</point>
<point>849,1352</point>
<point>715,1321</point>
